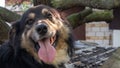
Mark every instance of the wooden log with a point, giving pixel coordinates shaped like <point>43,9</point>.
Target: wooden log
<point>76,19</point>
<point>99,16</point>
<point>8,15</point>
<point>100,4</point>
<point>4,29</point>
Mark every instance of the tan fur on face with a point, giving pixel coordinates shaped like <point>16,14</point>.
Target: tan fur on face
<point>29,46</point>
<point>31,15</point>
<point>62,55</point>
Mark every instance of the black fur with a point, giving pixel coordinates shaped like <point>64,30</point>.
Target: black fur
<point>22,59</point>
<point>13,56</point>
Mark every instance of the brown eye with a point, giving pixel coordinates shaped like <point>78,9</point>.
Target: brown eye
<point>48,15</point>
<point>30,22</point>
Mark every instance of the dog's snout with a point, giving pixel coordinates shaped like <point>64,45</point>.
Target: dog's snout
<point>41,29</point>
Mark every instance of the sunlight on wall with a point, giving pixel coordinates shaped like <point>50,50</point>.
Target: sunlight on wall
<point>2,3</point>
<point>116,38</point>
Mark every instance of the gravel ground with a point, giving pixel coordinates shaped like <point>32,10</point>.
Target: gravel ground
<point>89,55</point>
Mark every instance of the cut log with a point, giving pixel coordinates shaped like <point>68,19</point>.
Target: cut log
<point>88,15</point>
<point>99,16</point>
<point>4,29</point>
<point>8,15</point>
<point>76,19</point>
<point>100,4</point>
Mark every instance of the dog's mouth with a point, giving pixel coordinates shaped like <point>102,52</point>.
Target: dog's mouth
<point>46,50</point>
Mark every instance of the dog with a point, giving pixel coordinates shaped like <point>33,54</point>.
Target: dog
<point>39,39</point>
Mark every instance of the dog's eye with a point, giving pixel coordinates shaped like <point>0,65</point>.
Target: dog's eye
<point>48,15</point>
<point>30,21</point>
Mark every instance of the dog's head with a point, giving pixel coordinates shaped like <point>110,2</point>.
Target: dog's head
<point>41,33</point>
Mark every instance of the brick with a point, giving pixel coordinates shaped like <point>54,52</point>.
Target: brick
<point>106,37</point>
<point>87,25</point>
<point>98,25</point>
<point>88,29</point>
<point>102,22</point>
<point>88,37</point>
<point>104,29</point>
<point>100,37</point>
<point>94,22</point>
<point>99,33</point>
<point>90,33</point>
<point>104,25</point>
<point>90,25</point>
<point>95,29</point>
<point>107,33</point>
<point>94,38</point>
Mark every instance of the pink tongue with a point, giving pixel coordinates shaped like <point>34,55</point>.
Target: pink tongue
<point>46,52</point>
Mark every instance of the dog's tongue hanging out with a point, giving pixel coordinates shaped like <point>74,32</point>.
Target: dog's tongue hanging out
<point>46,52</point>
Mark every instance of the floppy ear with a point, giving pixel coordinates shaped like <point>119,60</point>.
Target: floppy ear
<point>71,43</point>
<point>13,30</point>
<point>14,36</point>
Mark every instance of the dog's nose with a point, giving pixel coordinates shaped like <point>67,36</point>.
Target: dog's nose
<point>41,29</point>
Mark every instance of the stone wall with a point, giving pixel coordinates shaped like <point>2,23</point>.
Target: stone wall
<point>98,32</point>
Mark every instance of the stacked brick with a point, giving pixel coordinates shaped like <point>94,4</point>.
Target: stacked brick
<point>98,32</point>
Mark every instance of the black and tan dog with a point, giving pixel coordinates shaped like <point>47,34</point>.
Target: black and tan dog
<point>40,39</point>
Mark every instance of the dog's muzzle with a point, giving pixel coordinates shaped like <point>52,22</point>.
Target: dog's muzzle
<point>44,42</point>
<point>41,29</point>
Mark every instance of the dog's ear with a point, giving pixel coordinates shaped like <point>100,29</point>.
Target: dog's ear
<point>14,36</point>
<point>13,30</point>
<point>71,43</point>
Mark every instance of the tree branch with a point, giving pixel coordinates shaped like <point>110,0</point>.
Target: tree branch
<point>4,28</point>
<point>76,19</point>
<point>8,15</point>
<point>88,15</point>
<point>99,16</point>
<point>100,4</point>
